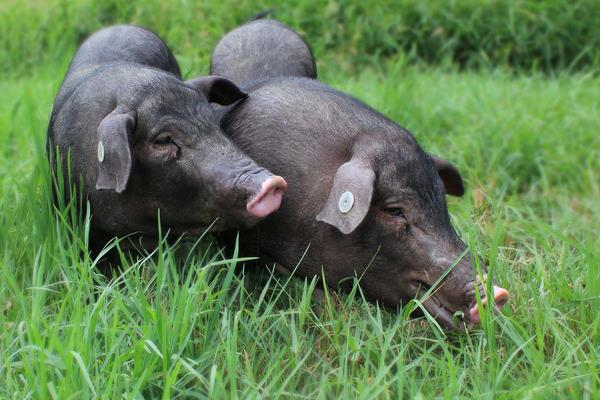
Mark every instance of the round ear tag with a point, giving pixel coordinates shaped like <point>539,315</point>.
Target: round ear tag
<point>346,202</point>
<point>100,152</point>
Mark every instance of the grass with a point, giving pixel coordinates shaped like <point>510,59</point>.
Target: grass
<point>528,35</point>
<point>181,324</point>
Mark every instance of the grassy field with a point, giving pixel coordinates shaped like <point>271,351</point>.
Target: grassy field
<point>181,324</point>
<point>529,35</point>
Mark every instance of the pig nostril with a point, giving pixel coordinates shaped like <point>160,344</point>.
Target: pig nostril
<point>277,191</point>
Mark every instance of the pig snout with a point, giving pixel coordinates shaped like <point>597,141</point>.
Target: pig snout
<point>457,292</point>
<point>258,192</point>
<point>244,192</point>
<point>501,297</point>
<point>268,198</point>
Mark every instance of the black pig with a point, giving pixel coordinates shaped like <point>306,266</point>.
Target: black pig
<point>141,140</point>
<point>363,197</point>
<point>262,49</point>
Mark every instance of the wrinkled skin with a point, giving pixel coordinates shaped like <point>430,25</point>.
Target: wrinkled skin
<point>396,236</point>
<point>262,49</point>
<point>142,140</point>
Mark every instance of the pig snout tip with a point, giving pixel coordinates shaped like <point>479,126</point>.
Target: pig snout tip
<point>268,199</point>
<point>500,299</point>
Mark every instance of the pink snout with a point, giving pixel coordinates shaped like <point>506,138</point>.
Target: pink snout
<point>268,199</point>
<point>500,299</point>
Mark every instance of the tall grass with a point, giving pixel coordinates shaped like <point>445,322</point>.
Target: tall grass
<point>182,324</point>
<point>527,35</point>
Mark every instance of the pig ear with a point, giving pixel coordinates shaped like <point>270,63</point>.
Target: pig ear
<point>217,89</point>
<point>114,156</point>
<point>450,176</point>
<point>350,197</point>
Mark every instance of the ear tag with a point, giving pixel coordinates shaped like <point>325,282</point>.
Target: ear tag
<point>346,202</point>
<point>100,151</point>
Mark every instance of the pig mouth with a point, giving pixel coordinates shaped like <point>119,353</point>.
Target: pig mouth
<point>434,304</point>
<point>448,315</point>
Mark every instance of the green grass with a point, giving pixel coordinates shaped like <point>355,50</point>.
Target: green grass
<point>551,35</point>
<point>181,324</point>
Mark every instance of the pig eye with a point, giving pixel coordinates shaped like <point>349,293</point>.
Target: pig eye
<point>163,147</point>
<point>394,211</point>
<point>163,140</point>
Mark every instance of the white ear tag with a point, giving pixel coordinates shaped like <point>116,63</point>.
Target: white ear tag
<point>100,151</point>
<point>346,202</point>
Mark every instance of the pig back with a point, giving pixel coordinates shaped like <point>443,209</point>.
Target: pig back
<point>262,49</point>
<point>124,43</point>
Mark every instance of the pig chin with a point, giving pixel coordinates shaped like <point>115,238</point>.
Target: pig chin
<point>435,304</point>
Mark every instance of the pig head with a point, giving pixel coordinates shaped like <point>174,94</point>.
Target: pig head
<point>135,140</point>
